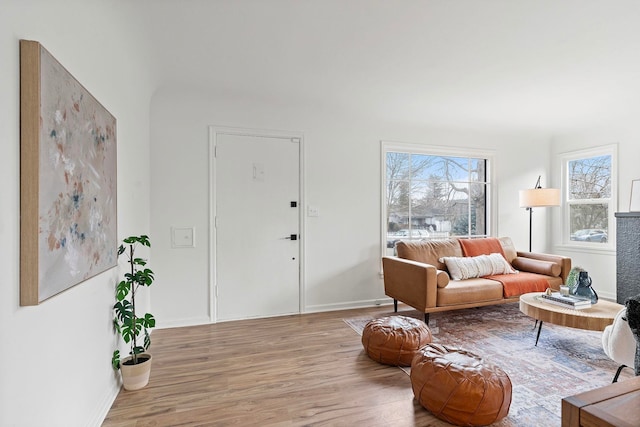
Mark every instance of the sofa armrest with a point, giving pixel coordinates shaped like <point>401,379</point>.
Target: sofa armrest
<point>414,283</point>
<point>563,261</point>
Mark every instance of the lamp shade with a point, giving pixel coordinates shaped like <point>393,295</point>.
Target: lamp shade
<point>539,197</point>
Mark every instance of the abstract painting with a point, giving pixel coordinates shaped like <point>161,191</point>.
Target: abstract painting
<point>68,218</point>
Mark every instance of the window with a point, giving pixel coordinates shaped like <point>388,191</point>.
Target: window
<point>433,194</point>
<point>590,195</point>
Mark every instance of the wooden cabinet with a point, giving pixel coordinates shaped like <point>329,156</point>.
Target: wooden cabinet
<point>627,255</point>
<point>614,405</point>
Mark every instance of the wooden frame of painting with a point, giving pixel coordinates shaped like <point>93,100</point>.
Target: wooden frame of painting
<point>68,215</point>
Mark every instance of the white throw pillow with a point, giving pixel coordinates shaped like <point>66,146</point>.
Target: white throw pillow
<point>478,266</point>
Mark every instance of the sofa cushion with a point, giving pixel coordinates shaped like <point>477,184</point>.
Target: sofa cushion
<point>508,248</point>
<point>429,252</point>
<point>469,291</point>
<point>442,278</point>
<point>483,246</point>
<point>531,265</point>
<point>461,268</point>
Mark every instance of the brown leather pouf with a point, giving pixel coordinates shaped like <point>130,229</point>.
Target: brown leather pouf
<point>395,340</point>
<point>460,387</point>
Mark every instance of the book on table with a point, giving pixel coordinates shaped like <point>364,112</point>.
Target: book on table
<point>570,301</point>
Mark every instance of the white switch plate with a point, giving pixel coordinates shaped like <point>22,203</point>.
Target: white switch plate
<point>313,211</point>
<point>183,237</point>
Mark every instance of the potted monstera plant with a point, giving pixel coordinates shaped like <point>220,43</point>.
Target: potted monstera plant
<point>128,323</point>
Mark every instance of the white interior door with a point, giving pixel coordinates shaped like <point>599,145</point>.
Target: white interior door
<point>257,264</point>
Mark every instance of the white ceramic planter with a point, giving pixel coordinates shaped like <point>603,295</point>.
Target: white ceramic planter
<point>135,377</point>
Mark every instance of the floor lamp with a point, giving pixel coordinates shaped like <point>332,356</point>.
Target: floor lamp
<point>538,197</point>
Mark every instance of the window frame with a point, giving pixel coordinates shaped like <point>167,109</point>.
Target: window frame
<point>434,150</point>
<point>565,158</point>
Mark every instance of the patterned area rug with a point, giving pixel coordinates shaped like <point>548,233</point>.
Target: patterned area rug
<point>565,362</point>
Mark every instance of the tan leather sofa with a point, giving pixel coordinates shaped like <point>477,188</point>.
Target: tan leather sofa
<point>418,276</point>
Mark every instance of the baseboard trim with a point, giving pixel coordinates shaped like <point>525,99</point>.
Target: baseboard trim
<point>179,323</point>
<point>347,305</point>
<point>105,405</point>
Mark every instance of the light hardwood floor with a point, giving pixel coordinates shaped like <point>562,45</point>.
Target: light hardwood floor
<point>287,371</point>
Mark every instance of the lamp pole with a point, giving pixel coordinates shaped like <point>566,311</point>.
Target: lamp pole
<point>530,209</point>
<point>530,225</point>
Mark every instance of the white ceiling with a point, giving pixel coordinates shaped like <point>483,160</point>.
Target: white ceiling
<point>543,65</point>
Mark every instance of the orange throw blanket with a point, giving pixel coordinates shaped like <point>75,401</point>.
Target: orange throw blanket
<point>520,283</point>
<point>484,246</point>
<point>512,284</point>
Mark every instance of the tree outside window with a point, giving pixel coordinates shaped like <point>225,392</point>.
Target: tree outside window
<point>434,196</point>
<point>589,197</point>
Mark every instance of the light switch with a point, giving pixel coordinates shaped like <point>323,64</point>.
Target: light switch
<point>183,237</point>
<point>313,211</point>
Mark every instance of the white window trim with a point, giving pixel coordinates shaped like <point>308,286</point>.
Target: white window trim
<point>564,158</point>
<point>436,150</point>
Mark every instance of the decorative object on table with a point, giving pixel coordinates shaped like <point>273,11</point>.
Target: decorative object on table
<point>634,204</point>
<point>584,288</point>
<point>572,278</point>
<point>569,301</point>
<point>68,175</point>
<point>538,197</point>
<point>633,318</point>
<point>135,368</point>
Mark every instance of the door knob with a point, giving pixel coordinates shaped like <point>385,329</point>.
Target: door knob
<point>292,237</point>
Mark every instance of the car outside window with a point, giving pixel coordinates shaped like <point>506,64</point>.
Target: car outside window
<point>590,191</point>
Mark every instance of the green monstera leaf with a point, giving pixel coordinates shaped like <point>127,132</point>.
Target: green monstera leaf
<point>132,328</point>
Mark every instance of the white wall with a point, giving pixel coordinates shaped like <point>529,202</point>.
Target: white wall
<point>342,179</point>
<point>55,358</point>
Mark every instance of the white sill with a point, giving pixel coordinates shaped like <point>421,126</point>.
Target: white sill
<point>591,248</point>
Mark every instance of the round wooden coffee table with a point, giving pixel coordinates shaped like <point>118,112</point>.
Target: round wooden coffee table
<point>595,318</point>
